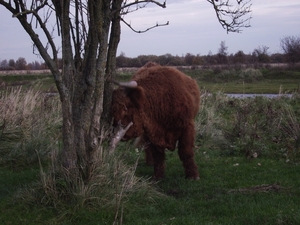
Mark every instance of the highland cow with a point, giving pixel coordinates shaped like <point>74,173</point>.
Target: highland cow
<point>162,103</point>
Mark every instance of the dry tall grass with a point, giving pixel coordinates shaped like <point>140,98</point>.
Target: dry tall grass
<point>29,122</point>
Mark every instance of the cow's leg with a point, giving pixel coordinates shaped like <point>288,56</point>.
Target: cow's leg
<point>148,148</point>
<point>186,153</point>
<point>159,162</point>
<point>149,156</point>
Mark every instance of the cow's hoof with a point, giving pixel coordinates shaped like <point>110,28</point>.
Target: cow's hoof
<point>193,178</point>
<point>150,163</point>
<point>156,179</point>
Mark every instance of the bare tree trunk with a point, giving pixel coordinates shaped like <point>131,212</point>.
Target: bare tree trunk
<point>82,84</point>
<point>83,88</point>
<point>111,61</point>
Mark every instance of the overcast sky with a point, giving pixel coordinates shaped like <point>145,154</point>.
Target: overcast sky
<point>193,28</point>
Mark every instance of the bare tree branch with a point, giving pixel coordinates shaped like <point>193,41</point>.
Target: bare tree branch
<point>20,11</point>
<point>47,34</point>
<point>32,10</point>
<point>149,28</point>
<point>145,2</point>
<point>126,8</point>
<point>231,15</point>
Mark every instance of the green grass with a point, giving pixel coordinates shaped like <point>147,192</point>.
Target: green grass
<point>227,80</point>
<point>257,81</point>
<point>267,86</point>
<point>218,198</point>
<point>13,211</point>
<point>225,194</point>
<point>247,81</point>
<point>29,80</point>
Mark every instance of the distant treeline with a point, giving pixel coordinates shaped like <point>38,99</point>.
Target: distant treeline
<point>198,60</point>
<point>21,64</point>
<point>260,55</point>
<point>167,59</point>
<point>290,46</point>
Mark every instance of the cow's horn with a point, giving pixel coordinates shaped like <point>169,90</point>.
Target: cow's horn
<point>118,136</point>
<point>129,84</point>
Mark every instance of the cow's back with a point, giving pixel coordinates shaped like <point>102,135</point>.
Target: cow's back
<point>172,98</point>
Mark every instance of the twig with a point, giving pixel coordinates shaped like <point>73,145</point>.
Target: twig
<point>143,31</point>
<point>163,5</point>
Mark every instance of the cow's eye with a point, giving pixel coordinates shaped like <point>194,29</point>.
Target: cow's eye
<point>124,111</point>
<point>120,123</point>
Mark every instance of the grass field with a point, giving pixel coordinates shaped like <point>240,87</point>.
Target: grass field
<point>46,81</point>
<point>256,81</point>
<point>247,152</point>
<point>232,190</point>
<point>261,87</point>
<point>261,191</point>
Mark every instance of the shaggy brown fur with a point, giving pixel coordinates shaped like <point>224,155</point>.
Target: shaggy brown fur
<point>162,108</point>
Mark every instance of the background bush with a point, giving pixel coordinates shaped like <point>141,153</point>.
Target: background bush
<point>253,127</point>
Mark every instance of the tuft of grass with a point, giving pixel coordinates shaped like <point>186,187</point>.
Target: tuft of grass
<point>291,128</point>
<point>111,186</point>
<point>209,121</point>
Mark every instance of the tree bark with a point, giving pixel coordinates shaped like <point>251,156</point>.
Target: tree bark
<point>111,61</point>
<point>84,102</point>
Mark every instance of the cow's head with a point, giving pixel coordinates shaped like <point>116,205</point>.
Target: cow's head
<point>127,103</point>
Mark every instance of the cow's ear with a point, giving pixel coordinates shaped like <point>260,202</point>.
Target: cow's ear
<point>136,95</point>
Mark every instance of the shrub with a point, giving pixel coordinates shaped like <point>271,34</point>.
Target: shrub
<point>250,75</point>
<point>254,121</point>
<point>254,126</point>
